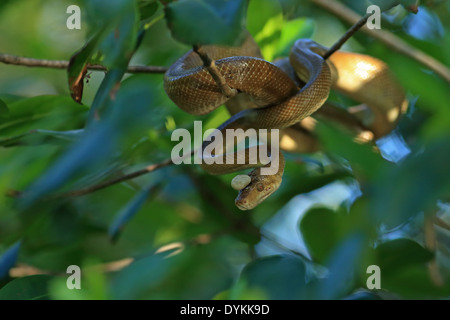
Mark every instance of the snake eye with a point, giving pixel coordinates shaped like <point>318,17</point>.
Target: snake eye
<point>260,187</point>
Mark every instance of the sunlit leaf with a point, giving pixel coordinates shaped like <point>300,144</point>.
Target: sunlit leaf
<point>265,22</point>
<point>291,32</point>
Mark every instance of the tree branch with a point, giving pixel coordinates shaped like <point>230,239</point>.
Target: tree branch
<point>62,64</point>
<point>102,185</point>
<point>350,32</point>
<point>386,37</point>
<point>105,184</point>
<point>210,65</point>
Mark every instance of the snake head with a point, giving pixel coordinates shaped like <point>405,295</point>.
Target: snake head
<point>260,187</point>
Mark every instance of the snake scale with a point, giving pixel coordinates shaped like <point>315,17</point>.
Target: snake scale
<point>280,102</point>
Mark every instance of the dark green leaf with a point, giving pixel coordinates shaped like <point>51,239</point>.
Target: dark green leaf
<point>280,276</point>
<point>79,60</point>
<point>413,186</point>
<point>26,288</point>
<point>4,111</point>
<point>316,223</point>
<point>216,21</point>
<point>413,282</point>
<point>363,295</point>
<point>362,157</point>
<point>54,113</point>
<point>129,210</point>
<point>147,8</point>
<point>142,275</point>
<point>96,146</point>
<point>343,267</point>
<point>40,136</point>
<point>117,48</point>
<point>397,254</point>
<point>100,142</point>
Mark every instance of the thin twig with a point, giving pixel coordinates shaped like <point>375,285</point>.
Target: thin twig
<point>105,184</point>
<point>346,36</point>
<point>62,64</point>
<point>386,37</point>
<point>210,65</point>
<point>102,185</point>
<point>125,177</point>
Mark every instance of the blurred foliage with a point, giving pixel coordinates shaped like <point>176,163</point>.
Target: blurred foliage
<point>175,233</point>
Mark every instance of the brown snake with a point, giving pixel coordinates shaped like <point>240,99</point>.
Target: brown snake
<point>280,102</point>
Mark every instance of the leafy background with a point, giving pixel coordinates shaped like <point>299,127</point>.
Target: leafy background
<point>175,233</point>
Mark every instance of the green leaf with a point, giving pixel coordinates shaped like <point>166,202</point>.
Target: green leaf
<point>79,61</point>
<point>102,141</point>
<point>26,288</point>
<point>40,136</point>
<point>260,12</point>
<point>280,276</point>
<point>413,282</point>
<point>316,223</point>
<point>363,295</point>
<point>362,157</point>
<point>129,210</point>
<point>95,147</point>
<point>142,275</point>
<point>302,179</point>
<point>147,8</point>
<point>8,259</point>
<point>216,21</point>
<point>117,48</point>
<point>265,22</point>
<point>413,186</point>
<point>54,113</point>
<point>400,253</point>
<point>343,267</point>
<point>291,32</point>
<point>4,111</point>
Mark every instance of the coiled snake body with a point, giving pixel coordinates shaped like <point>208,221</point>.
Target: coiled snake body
<point>281,103</point>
